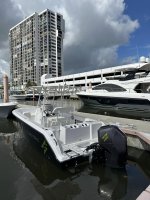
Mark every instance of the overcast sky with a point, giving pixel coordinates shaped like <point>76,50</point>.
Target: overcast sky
<point>99,33</point>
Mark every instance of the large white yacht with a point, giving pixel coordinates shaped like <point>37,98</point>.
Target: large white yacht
<point>18,95</point>
<point>130,97</point>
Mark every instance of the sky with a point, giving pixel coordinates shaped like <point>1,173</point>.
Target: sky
<point>98,33</point>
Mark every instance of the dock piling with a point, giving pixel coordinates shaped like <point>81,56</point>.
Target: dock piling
<point>5,83</point>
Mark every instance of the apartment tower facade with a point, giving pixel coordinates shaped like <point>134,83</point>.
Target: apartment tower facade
<point>36,48</point>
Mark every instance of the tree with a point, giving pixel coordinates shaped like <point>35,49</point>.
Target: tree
<point>30,84</point>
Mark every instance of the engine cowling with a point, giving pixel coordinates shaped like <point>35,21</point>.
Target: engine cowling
<point>114,143</point>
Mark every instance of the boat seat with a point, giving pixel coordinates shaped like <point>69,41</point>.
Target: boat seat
<point>74,133</point>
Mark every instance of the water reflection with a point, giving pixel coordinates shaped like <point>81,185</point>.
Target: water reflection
<point>140,158</point>
<point>54,182</point>
<point>112,182</point>
<point>27,174</point>
<point>7,126</point>
<point>51,182</point>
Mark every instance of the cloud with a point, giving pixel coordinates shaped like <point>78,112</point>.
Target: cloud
<point>4,60</point>
<point>10,15</point>
<point>4,67</point>
<point>95,29</point>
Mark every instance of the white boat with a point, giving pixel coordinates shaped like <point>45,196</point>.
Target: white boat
<point>124,97</point>
<point>64,136</point>
<point>18,95</point>
<point>7,108</point>
<point>33,95</point>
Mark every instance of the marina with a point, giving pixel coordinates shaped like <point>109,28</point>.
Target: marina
<point>48,179</point>
<point>75,139</point>
<point>75,100</point>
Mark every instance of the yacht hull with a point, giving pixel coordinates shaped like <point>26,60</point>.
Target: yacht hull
<point>106,104</point>
<point>18,97</point>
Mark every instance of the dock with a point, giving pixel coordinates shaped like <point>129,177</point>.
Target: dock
<point>137,131</point>
<point>145,195</point>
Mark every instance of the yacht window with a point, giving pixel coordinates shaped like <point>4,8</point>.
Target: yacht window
<point>109,88</point>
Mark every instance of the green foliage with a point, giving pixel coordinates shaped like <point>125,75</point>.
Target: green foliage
<point>30,83</point>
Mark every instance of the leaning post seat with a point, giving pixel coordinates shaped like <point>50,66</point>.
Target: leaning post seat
<point>74,133</point>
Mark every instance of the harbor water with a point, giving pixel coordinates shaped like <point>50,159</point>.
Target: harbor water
<point>25,173</point>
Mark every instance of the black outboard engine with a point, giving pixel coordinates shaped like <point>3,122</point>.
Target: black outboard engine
<point>114,143</point>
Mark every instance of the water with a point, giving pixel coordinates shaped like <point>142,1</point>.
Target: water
<point>26,174</point>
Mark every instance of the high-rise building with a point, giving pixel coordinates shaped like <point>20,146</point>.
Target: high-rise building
<point>36,47</point>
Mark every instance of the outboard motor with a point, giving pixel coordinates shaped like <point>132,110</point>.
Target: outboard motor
<point>114,143</point>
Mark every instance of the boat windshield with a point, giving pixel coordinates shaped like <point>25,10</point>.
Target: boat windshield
<point>110,88</point>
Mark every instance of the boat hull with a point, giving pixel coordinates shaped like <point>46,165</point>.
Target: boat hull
<point>128,109</point>
<point>39,140</point>
<point>18,97</point>
<point>34,97</point>
<point>6,109</point>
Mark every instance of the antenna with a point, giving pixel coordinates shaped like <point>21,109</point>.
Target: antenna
<point>137,52</point>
